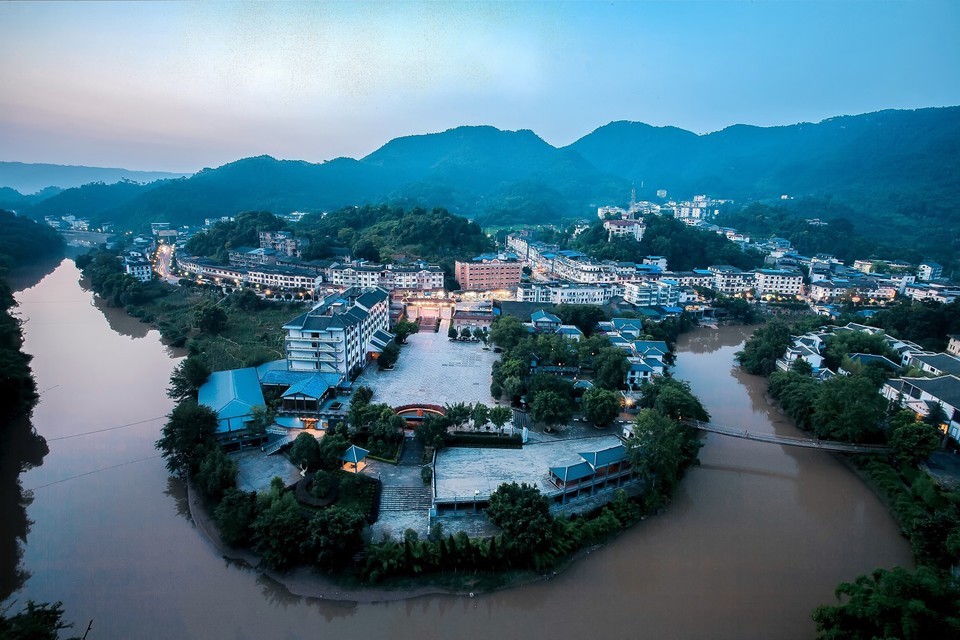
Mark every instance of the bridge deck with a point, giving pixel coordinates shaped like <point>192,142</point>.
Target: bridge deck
<point>792,441</point>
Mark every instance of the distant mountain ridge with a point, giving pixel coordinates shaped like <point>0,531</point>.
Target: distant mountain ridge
<point>896,169</point>
<point>28,178</point>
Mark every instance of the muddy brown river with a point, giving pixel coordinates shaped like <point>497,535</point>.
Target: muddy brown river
<point>755,538</point>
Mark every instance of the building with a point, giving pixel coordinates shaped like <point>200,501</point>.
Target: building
<point>566,293</point>
<point>624,229</point>
<point>482,274</point>
<point>651,294</point>
<point>929,271</point>
<point>416,277</point>
<point>283,243</point>
<point>921,395</point>
<point>784,282</point>
<point>935,364</point>
<point>135,266</point>
<point>954,345</point>
<point>477,315</point>
<point>250,257</point>
<point>730,280</point>
<point>340,334</point>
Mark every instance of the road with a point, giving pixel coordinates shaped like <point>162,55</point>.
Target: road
<point>164,255</point>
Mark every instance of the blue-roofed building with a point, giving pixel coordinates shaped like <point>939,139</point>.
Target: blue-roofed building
<point>232,395</point>
<point>544,322</point>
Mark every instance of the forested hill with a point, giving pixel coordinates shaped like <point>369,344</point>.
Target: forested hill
<point>891,168</point>
<point>24,242</point>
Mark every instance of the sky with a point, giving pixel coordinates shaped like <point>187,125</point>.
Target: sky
<point>182,86</point>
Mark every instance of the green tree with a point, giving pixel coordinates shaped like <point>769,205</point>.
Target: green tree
<point>848,409</point>
<point>277,531</point>
<point>452,332</point>
<point>432,431</point>
<point>465,332</point>
<point>184,439</point>
<point>523,514</point>
<point>583,316</point>
<point>920,605</point>
<point>657,451</point>
<point>235,513</point>
<point>261,417</point>
<point>500,416</point>
<point>840,344</point>
<point>403,329</point>
<point>912,442</point>
<point>760,353</point>
<point>458,413</point>
<point>362,395</point>
<point>601,406</point>
<point>802,367</point>
<point>37,621</point>
<point>333,536</point>
<point>610,368</point>
<point>507,332</point>
<point>389,356</point>
<point>673,398</point>
<point>188,377</point>
<point>217,474</point>
<point>480,415</point>
<point>332,446</point>
<point>210,319</point>
<point>550,409</point>
<point>305,451</point>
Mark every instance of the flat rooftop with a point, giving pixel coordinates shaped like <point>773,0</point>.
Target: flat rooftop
<point>462,472</point>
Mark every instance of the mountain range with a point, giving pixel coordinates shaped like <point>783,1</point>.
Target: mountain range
<point>899,165</point>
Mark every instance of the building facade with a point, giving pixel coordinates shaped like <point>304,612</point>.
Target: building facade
<point>485,275</point>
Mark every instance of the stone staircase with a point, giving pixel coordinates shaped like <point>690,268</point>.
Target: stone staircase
<point>273,447</point>
<point>406,498</point>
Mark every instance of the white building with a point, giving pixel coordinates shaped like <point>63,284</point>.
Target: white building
<point>929,271</point>
<point>137,267</point>
<point>649,294</point>
<point>921,395</point>
<point>565,293</point>
<point>778,282</point>
<point>339,334</point>
<point>730,280</point>
<point>624,229</point>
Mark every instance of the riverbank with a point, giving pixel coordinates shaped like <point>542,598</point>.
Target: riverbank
<point>307,583</point>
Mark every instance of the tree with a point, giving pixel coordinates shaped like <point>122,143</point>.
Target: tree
<point>277,531</point>
<point>217,474</point>
<point>190,429</point>
<point>583,316</point>
<point>452,332</point>
<point>332,446</point>
<point>432,431</point>
<point>848,409</point>
<point>550,409</point>
<point>465,332</point>
<point>404,329</point>
<point>601,406</point>
<point>38,621</point>
<point>507,332</point>
<point>657,451</point>
<point>839,345</point>
<point>760,353</point>
<point>188,377</point>
<point>480,415</point>
<point>458,413</point>
<point>500,416</point>
<point>523,514</point>
<point>305,451</point>
<point>674,399</point>
<point>610,368</point>
<point>897,603</point>
<point>389,356</point>
<point>802,367</point>
<point>261,417</point>
<point>235,513</point>
<point>912,442</point>
<point>333,536</point>
<point>362,395</point>
<point>210,319</point>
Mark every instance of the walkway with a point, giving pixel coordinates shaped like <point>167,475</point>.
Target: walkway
<point>791,441</point>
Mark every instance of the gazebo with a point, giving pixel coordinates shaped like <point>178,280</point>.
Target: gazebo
<point>353,459</point>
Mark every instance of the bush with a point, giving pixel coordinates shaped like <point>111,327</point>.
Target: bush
<point>426,474</point>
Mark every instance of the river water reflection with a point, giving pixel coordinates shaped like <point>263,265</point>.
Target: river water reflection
<point>754,539</point>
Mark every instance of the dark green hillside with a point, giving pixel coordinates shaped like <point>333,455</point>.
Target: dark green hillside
<point>96,201</point>
<point>29,178</point>
<point>23,242</point>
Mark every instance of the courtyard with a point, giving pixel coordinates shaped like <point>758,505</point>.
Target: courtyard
<point>432,369</point>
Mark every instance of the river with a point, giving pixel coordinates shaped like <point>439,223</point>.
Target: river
<point>755,538</point>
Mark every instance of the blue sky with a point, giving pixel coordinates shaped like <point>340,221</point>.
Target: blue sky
<point>180,86</point>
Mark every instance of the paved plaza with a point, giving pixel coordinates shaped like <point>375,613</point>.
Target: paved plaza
<point>256,470</point>
<point>432,369</point>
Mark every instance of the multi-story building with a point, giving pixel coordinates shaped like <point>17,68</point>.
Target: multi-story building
<point>929,271</point>
<point>137,267</point>
<point>418,277</point>
<point>340,334</point>
<point>649,294</point>
<point>566,293</point>
<point>574,266</point>
<point>938,293</point>
<point>250,257</point>
<point>778,282</point>
<point>283,242</point>
<point>482,274</point>
<point>730,280</point>
<point>624,229</point>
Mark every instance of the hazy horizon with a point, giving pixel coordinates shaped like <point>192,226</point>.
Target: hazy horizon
<point>179,87</point>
